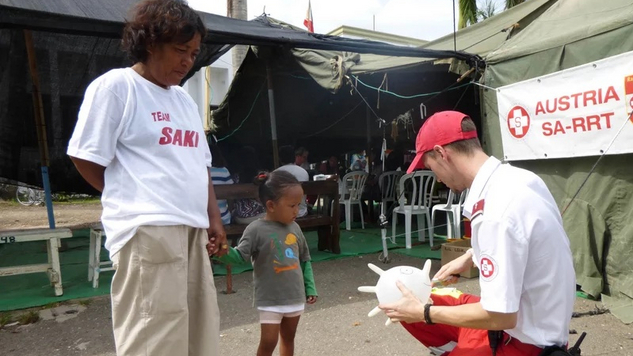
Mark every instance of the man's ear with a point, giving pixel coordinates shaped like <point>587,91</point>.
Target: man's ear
<point>440,152</point>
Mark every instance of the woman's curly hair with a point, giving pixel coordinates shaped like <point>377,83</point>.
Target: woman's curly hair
<point>154,22</point>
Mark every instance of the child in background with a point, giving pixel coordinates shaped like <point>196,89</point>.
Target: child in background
<point>282,271</point>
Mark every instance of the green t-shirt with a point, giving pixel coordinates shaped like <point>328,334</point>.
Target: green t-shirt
<point>276,251</point>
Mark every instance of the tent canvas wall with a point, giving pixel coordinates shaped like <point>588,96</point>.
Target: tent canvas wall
<point>486,36</point>
<point>568,34</point>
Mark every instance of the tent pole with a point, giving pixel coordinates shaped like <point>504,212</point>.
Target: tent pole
<point>207,101</point>
<point>273,119</point>
<point>40,124</point>
<point>368,149</point>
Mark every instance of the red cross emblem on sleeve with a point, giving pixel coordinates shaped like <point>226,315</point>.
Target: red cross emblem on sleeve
<point>488,268</point>
<point>518,121</point>
<point>478,209</point>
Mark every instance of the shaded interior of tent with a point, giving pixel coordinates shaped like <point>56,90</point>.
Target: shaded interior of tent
<point>67,64</point>
<point>327,123</point>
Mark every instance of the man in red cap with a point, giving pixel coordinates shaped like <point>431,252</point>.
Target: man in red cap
<point>526,269</point>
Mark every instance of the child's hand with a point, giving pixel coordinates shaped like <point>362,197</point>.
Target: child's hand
<point>311,299</point>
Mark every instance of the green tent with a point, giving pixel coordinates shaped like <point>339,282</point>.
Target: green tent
<point>488,35</point>
<point>568,34</point>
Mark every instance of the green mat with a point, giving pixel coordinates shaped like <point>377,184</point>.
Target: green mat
<point>422,251</point>
<point>32,290</point>
<point>355,242</point>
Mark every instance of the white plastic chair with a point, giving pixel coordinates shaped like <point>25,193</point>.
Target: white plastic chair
<point>351,189</point>
<point>416,200</point>
<point>453,212</point>
<point>388,181</point>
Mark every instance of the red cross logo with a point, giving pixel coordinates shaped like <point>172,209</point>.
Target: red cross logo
<point>518,122</point>
<point>487,267</point>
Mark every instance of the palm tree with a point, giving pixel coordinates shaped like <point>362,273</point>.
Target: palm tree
<point>470,12</point>
<point>467,13</point>
<point>487,10</point>
<point>512,3</point>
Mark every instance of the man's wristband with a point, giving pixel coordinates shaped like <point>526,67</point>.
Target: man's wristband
<point>427,314</point>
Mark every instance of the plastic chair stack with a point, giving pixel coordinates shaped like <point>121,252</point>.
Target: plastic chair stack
<point>351,189</point>
<point>453,212</point>
<point>415,199</point>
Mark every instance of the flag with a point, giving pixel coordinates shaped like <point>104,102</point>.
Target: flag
<point>308,22</point>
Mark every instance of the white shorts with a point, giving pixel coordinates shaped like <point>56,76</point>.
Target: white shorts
<point>274,314</point>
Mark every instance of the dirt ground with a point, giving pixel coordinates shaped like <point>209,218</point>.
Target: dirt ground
<point>336,325</point>
<point>14,216</point>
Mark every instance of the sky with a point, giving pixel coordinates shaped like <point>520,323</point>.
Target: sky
<point>421,19</point>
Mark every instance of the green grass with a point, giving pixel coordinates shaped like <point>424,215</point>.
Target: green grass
<point>92,200</point>
<point>51,305</point>
<point>59,199</point>
<point>5,318</point>
<point>30,317</point>
<point>85,302</point>
<point>11,202</point>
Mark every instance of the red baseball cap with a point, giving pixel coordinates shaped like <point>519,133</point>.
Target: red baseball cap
<point>440,129</point>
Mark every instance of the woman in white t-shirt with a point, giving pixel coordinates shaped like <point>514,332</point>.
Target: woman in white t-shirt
<point>139,140</point>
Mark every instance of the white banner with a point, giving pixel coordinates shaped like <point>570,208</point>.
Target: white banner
<point>571,113</point>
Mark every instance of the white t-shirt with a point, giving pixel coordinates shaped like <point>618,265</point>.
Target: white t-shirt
<point>153,146</point>
<point>522,252</point>
<point>222,176</point>
<point>302,176</point>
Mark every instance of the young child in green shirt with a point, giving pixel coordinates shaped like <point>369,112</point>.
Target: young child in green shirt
<point>282,271</point>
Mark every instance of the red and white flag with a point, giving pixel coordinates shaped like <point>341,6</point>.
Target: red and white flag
<point>308,22</point>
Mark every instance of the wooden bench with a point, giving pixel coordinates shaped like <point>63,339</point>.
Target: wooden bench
<point>52,268</point>
<point>326,223</point>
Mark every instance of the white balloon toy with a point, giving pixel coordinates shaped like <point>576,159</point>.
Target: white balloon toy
<point>416,280</point>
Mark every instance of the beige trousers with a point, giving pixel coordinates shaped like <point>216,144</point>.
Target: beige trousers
<point>163,297</point>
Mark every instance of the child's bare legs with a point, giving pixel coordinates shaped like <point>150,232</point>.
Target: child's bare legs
<point>287,332</point>
<point>268,339</point>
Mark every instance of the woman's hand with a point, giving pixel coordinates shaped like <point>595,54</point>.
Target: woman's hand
<point>217,245</point>
<point>311,299</point>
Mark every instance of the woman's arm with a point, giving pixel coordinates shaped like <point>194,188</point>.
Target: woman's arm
<point>91,172</point>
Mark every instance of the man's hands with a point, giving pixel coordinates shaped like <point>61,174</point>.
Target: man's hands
<point>447,274</point>
<point>408,309</point>
<point>311,299</point>
<point>218,245</point>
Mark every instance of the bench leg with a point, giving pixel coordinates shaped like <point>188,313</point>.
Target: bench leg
<point>325,238</point>
<point>91,255</point>
<point>55,271</point>
<point>97,261</point>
